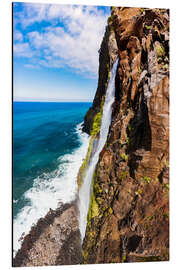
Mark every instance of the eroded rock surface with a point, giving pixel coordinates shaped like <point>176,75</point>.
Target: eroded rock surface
<point>131,182</point>
<point>54,240</point>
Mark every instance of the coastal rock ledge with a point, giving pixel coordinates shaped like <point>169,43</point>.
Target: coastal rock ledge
<point>128,218</point>
<point>54,240</point>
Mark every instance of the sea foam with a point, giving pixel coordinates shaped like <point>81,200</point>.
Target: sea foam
<point>49,190</point>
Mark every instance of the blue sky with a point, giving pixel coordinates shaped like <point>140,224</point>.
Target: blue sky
<point>56,51</point>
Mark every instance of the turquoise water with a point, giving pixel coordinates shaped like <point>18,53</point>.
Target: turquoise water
<point>43,133</point>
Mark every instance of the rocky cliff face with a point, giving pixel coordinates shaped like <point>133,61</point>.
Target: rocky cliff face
<point>131,182</point>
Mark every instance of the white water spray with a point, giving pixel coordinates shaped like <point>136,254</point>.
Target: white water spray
<point>85,191</point>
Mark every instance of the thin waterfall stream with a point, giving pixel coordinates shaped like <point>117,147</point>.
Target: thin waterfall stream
<point>85,191</point>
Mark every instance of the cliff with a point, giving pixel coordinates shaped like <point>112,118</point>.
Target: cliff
<point>128,219</point>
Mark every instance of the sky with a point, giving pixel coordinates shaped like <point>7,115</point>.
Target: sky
<point>55,51</point>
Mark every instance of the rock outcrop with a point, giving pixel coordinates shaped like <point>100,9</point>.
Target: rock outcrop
<point>131,181</point>
<point>54,240</point>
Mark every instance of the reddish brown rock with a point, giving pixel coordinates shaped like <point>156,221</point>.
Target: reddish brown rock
<point>133,169</point>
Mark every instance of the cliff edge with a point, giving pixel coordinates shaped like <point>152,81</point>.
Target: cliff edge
<point>128,219</point>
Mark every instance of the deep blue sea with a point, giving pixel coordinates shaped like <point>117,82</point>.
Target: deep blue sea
<point>48,148</point>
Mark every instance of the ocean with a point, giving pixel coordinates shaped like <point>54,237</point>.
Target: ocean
<point>48,149</point>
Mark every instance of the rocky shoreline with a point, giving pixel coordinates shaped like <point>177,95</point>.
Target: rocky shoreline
<point>54,240</point>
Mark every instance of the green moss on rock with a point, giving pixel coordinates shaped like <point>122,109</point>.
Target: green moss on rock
<point>97,121</point>
<point>124,157</point>
<point>83,167</point>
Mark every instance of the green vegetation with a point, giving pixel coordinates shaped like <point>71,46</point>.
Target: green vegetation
<point>149,218</point>
<point>108,75</point>
<point>148,27</point>
<point>140,70</point>
<point>166,163</point>
<point>127,140</point>
<point>166,215</point>
<point>166,59</point>
<point>97,188</point>
<point>110,23</point>
<point>97,120</point>
<point>123,175</point>
<point>96,124</point>
<point>109,20</point>
<point>160,51</point>
<point>123,258</point>
<point>162,58</point>
<point>166,186</point>
<point>148,258</point>
<point>93,205</point>
<point>129,127</point>
<point>124,157</point>
<point>83,167</point>
<point>113,7</point>
<point>165,67</point>
<point>146,179</point>
<point>110,210</point>
<point>138,192</point>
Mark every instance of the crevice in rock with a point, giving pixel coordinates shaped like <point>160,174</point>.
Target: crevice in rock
<point>128,219</point>
<point>133,242</point>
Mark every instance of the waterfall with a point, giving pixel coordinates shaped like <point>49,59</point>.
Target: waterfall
<point>85,191</point>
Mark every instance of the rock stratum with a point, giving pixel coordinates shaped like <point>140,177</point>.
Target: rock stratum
<point>128,218</point>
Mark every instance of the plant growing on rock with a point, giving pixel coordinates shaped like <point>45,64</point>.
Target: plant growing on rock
<point>148,27</point>
<point>97,120</point>
<point>160,51</point>
<point>146,179</point>
<point>123,175</point>
<point>84,164</point>
<point>124,157</point>
<point>110,23</point>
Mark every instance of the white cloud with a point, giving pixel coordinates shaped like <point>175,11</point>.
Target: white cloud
<point>18,36</point>
<point>32,13</point>
<point>76,44</point>
<point>22,50</point>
